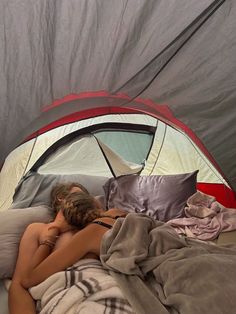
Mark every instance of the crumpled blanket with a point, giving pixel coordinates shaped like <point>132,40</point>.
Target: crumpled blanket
<point>84,288</point>
<point>160,272</point>
<point>205,218</point>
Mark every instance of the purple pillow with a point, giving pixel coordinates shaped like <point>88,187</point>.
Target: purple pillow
<point>162,197</point>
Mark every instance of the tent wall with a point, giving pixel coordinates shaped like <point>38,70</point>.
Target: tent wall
<point>86,156</point>
<point>182,55</point>
<point>171,152</point>
<point>20,161</point>
<point>170,60</point>
<point>198,84</point>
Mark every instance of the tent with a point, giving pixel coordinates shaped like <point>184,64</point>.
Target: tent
<point>164,70</point>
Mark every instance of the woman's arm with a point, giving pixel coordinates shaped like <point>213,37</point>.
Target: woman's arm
<point>19,300</point>
<point>85,241</point>
<point>31,253</point>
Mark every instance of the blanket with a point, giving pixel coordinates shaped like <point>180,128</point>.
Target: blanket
<point>84,288</point>
<point>205,218</point>
<point>160,272</point>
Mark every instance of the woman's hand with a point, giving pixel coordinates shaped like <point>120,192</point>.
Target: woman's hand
<point>61,224</point>
<point>52,231</point>
<point>49,232</point>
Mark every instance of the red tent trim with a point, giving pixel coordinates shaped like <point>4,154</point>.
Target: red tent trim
<point>222,193</point>
<point>160,111</point>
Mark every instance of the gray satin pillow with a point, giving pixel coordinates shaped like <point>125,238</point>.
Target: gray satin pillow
<point>162,197</point>
<point>12,226</point>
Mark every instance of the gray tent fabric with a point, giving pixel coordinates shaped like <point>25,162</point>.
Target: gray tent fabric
<point>178,53</point>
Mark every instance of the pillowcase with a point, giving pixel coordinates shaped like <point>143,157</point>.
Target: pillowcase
<point>35,189</point>
<point>13,224</point>
<point>162,197</point>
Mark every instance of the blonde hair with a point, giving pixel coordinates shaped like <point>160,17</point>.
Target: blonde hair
<point>80,209</point>
<point>60,191</point>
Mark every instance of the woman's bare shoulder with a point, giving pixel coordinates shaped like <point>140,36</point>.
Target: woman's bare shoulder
<point>35,227</point>
<point>117,212</point>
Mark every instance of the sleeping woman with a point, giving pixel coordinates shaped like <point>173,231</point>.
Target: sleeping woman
<point>45,250</point>
<point>32,237</point>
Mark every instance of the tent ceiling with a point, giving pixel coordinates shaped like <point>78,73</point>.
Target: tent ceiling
<point>180,55</point>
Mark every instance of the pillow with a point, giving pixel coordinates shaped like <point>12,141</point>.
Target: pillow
<point>13,223</point>
<point>162,197</point>
<point>34,189</point>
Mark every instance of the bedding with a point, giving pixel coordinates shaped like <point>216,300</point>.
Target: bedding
<point>227,237</point>
<point>157,269</point>
<point>3,298</point>
<point>86,287</point>
<point>162,197</point>
<point>205,218</point>
<point>148,271</point>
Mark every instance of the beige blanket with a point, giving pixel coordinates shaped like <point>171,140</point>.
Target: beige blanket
<point>160,272</point>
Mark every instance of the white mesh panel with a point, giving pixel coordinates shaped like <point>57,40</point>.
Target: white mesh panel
<point>172,152</point>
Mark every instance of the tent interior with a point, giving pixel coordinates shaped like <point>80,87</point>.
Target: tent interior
<point>100,91</point>
<point>112,145</point>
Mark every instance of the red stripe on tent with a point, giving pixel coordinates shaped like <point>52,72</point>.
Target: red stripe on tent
<point>161,108</point>
<point>130,105</point>
<point>159,111</point>
<point>84,95</point>
<point>222,193</point>
<point>77,116</point>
